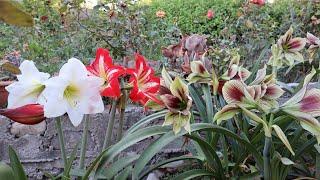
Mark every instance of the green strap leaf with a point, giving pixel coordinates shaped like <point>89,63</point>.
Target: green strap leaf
<point>198,102</point>
<point>147,132</point>
<point>16,165</point>
<point>127,141</point>
<point>118,166</point>
<point>193,174</point>
<point>212,157</point>
<point>124,174</point>
<point>167,161</point>
<point>6,171</point>
<point>146,120</point>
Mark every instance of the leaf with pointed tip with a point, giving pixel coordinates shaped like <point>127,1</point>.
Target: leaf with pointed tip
<point>16,165</point>
<point>6,171</point>
<point>11,14</point>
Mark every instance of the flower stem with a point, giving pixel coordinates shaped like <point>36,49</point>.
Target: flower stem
<point>266,159</point>
<point>274,71</point>
<point>107,139</point>
<point>61,141</point>
<point>122,113</point>
<point>84,141</point>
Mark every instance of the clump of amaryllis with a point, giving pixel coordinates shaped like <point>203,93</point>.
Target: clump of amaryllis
<point>287,50</point>
<point>314,45</point>
<point>305,106</point>
<point>258,2</point>
<point>103,67</point>
<point>175,96</point>
<point>29,87</point>
<point>261,94</point>
<point>28,114</point>
<point>144,83</point>
<point>160,14</point>
<point>73,92</point>
<point>210,14</point>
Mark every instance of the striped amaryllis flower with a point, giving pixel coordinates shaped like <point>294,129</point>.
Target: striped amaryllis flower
<point>314,45</point>
<point>176,98</point>
<point>28,114</point>
<point>264,89</point>
<point>235,71</point>
<point>144,82</point>
<point>235,93</point>
<point>305,106</point>
<point>199,73</point>
<point>291,47</point>
<point>103,67</point>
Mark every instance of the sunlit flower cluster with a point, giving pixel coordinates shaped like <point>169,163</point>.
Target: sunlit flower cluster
<point>77,89</point>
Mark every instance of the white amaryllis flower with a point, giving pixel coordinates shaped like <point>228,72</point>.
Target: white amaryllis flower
<point>28,88</point>
<point>73,92</point>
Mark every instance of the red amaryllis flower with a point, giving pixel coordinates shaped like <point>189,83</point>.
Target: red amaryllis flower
<point>102,67</point>
<point>210,14</point>
<point>28,114</point>
<point>145,83</point>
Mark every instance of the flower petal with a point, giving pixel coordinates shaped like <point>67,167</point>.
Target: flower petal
<point>75,116</point>
<point>227,112</point>
<point>311,102</point>
<point>171,102</point>
<point>233,91</point>
<point>296,44</point>
<point>198,67</point>
<point>301,93</point>
<point>261,74</point>
<point>72,70</point>
<point>179,89</point>
<point>273,92</point>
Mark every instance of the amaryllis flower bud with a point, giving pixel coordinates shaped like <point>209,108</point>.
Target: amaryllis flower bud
<point>210,14</point>
<point>28,114</point>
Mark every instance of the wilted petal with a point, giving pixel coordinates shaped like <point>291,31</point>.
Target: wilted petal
<point>233,91</point>
<point>29,114</point>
